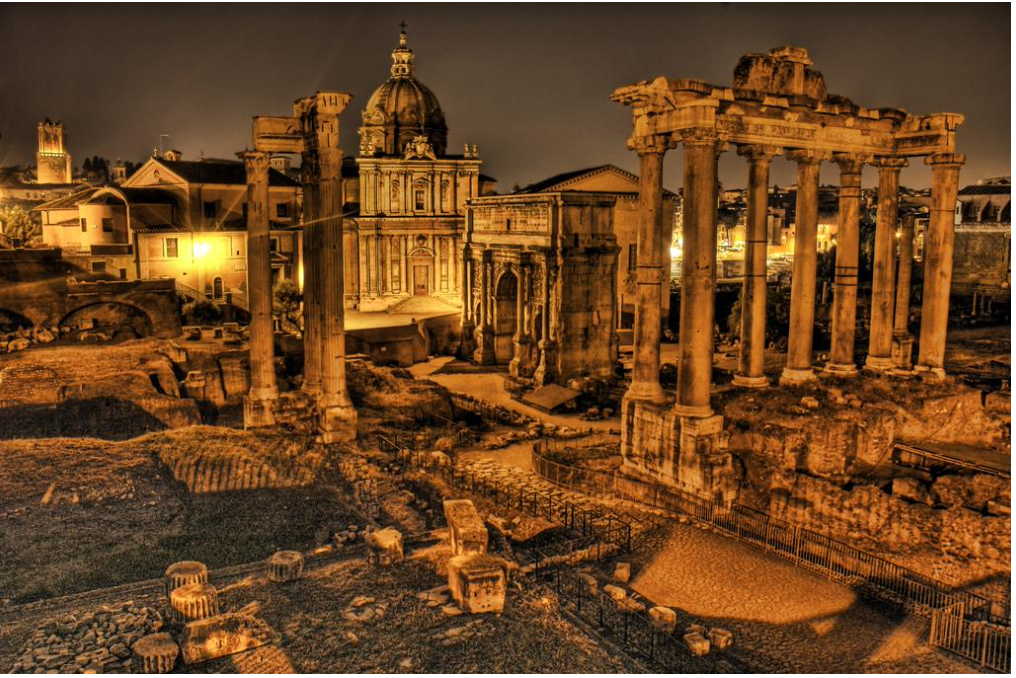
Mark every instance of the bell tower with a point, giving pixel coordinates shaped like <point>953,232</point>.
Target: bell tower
<point>53,162</point>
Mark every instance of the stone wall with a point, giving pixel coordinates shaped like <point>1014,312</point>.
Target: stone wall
<point>981,260</point>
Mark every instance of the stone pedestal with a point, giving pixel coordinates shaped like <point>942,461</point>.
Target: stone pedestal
<point>484,352</point>
<point>258,411</point>
<point>546,371</point>
<point>384,547</point>
<point>155,653</point>
<point>903,351</point>
<point>466,530</point>
<point>285,566</point>
<point>338,420</point>
<point>477,583</point>
<point>687,453</point>
<point>521,364</point>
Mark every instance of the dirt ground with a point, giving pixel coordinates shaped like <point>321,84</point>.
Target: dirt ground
<point>116,514</point>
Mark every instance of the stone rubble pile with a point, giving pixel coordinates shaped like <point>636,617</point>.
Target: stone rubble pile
<point>23,338</point>
<point>98,642</point>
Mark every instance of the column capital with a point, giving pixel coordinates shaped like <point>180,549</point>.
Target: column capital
<point>701,136</point>
<point>758,151</point>
<point>256,162</point>
<point>850,163</point>
<point>947,159</point>
<point>650,144</point>
<point>889,163</point>
<point>807,156</point>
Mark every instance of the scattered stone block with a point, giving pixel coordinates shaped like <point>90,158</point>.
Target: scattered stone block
<point>590,582</point>
<point>193,602</point>
<point>811,402</point>
<point>697,644</point>
<point>155,653</point>
<point>663,618</point>
<point>451,611</point>
<point>285,566</point>
<point>911,489</point>
<point>223,635</point>
<point>622,572</point>
<point>183,573</point>
<point>478,582</point>
<point>721,639</point>
<point>696,628</point>
<point>616,593</point>
<point>192,333</point>
<point>19,344</point>
<point>384,547</point>
<point>465,527</point>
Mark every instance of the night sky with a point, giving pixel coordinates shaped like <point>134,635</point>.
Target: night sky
<point>530,85</point>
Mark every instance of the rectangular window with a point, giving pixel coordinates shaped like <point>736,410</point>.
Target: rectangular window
<point>210,210</point>
<point>107,225</point>
<point>632,257</point>
<point>282,210</point>
<point>98,267</point>
<point>273,245</point>
<point>172,248</point>
<point>84,225</point>
<point>420,199</point>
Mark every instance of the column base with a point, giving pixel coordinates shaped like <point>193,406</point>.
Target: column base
<point>935,372</point>
<point>311,388</point>
<point>744,381</point>
<point>521,365</point>
<point>878,364</point>
<point>840,370</point>
<point>337,423</point>
<point>546,371</point>
<point>693,411</point>
<point>646,392</point>
<point>484,353</point>
<point>793,376</point>
<point>259,410</point>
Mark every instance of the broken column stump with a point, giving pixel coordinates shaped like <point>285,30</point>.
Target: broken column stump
<point>285,566</point>
<point>155,653</point>
<point>477,582</point>
<point>193,602</point>
<point>223,635</point>
<point>183,573</point>
<point>466,530</point>
<point>384,547</point>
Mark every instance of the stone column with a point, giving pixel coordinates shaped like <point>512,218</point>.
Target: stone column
<point>698,276</point>
<point>520,365</point>
<point>546,371</point>
<point>484,353</point>
<point>338,417</point>
<point>751,362</point>
<point>802,291</point>
<point>903,341</point>
<point>311,282</point>
<point>258,406</point>
<point>645,383</point>
<point>848,244</point>
<point>938,260</point>
<point>884,266</point>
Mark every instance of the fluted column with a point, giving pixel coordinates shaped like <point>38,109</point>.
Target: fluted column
<point>698,275</point>
<point>258,405</point>
<point>751,362</point>
<point>484,353</point>
<point>311,277</point>
<point>338,417</point>
<point>546,370</point>
<point>645,383</point>
<point>903,341</point>
<point>802,291</point>
<point>521,363</point>
<point>938,260</point>
<point>884,265</point>
<point>848,244</point>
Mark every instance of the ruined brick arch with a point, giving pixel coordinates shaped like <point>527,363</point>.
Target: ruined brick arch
<point>111,317</point>
<point>12,320</point>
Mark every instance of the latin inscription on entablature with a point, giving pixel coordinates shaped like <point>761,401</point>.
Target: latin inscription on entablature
<point>512,219</point>
<point>802,135</point>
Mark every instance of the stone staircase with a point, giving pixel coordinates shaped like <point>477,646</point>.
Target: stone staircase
<point>422,305</point>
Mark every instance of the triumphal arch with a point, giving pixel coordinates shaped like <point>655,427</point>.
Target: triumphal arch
<point>777,105</point>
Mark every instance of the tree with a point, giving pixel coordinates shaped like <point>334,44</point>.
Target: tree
<point>17,224</point>
<point>287,303</point>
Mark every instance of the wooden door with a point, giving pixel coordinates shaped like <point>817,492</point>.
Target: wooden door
<point>419,280</point>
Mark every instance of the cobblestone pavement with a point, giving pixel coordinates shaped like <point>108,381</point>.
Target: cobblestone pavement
<point>784,619</point>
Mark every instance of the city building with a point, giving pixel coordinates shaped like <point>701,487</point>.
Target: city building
<point>407,214</point>
<point>176,219</point>
<point>982,263</point>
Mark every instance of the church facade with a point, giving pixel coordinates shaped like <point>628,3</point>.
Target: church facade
<point>404,235</point>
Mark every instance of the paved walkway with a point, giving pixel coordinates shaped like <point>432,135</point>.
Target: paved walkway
<point>489,387</point>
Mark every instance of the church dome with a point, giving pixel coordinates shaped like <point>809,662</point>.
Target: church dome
<point>400,110</point>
